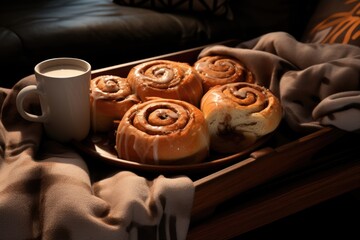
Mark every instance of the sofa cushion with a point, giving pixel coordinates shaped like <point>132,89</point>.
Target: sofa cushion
<point>335,21</point>
<point>104,33</point>
<point>12,60</point>
<point>10,47</point>
<point>217,7</point>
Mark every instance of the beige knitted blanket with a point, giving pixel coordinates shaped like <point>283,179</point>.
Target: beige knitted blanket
<point>317,84</point>
<point>46,191</point>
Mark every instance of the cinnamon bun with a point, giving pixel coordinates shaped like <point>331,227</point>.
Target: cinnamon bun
<point>166,79</point>
<point>163,131</point>
<point>220,70</point>
<point>238,114</point>
<point>110,97</point>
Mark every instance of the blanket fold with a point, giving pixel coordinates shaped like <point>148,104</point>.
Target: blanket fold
<point>306,77</point>
<point>46,191</point>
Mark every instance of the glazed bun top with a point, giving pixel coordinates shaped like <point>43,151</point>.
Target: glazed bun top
<point>220,70</point>
<point>163,131</point>
<point>110,87</point>
<point>238,114</point>
<point>166,79</point>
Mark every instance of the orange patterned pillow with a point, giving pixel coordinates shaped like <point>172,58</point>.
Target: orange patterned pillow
<point>335,21</point>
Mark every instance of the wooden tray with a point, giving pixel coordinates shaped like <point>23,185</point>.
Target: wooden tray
<point>288,152</point>
<point>103,150</point>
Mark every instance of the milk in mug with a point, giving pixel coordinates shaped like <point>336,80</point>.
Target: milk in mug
<point>63,71</point>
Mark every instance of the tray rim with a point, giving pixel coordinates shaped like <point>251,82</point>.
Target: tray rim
<point>207,166</point>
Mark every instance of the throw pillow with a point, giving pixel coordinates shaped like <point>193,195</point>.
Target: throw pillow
<point>215,7</point>
<point>335,21</point>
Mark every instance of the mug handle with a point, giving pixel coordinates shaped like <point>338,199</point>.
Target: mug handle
<point>20,104</point>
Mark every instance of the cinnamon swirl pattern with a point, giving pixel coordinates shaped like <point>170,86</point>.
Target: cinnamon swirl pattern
<point>238,114</point>
<point>163,131</point>
<point>220,70</point>
<point>166,79</point>
<point>110,97</point>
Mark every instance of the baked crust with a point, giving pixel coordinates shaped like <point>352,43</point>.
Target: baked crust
<point>110,97</point>
<point>238,114</point>
<point>166,79</point>
<point>220,70</point>
<point>163,131</point>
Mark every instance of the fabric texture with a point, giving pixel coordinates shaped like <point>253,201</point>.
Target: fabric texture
<point>318,84</point>
<point>46,190</point>
<point>215,7</point>
<point>335,21</point>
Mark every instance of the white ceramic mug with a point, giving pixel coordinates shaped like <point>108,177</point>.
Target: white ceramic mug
<point>62,85</point>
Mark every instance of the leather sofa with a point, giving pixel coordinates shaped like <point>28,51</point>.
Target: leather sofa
<point>106,33</point>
